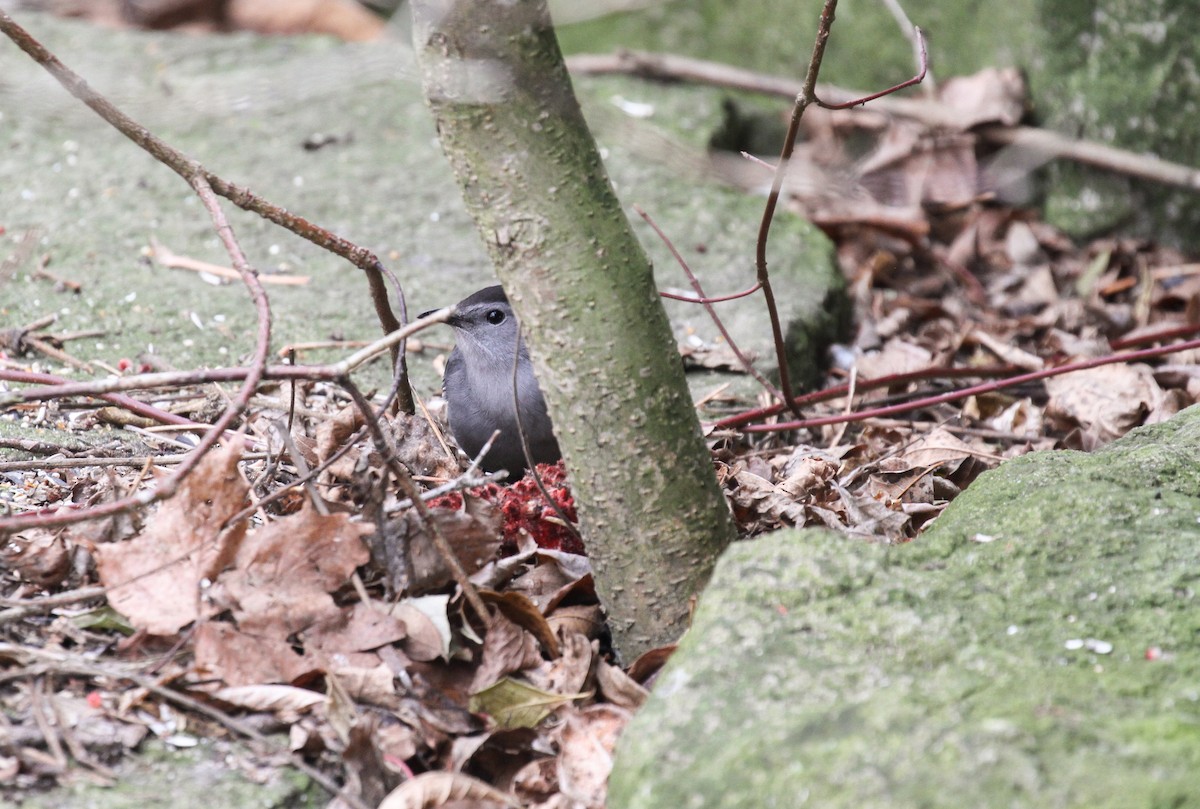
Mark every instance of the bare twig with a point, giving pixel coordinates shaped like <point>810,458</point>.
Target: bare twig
<point>923,62</point>
<point>707,303</point>
<point>62,662</point>
<point>732,296</point>
<point>891,380</point>
<point>915,36</point>
<point>803,99</point>
<point>168,259</point>
<point>976,390</point>
<point>1042,142</point>
<point>55,387</point>
<point>410,490</point>
<point>189,169</point>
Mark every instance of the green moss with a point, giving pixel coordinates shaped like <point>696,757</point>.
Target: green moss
<point>776,36</point>
<point>966,668</point>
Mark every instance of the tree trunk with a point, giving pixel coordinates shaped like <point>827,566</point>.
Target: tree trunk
<point>652,515</point>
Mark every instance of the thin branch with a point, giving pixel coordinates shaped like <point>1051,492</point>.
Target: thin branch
<point>976,390</point>
<point>707,303</point>
<point>56,387</point>
<point>732,296</point>
<point>758,414</point>
<point>923,62</point>
<point>18,609</point>
<point>1049,145</point>
<point>85,462</point>
<point>9,398</point>
<point>805,97</point>
<point>189,169</point>
<point>915,37</point>
<point>61,662</point>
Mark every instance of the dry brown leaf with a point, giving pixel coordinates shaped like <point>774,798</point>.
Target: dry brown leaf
<point>275,698</point>
<point>540,584</point>
<point>341,18</point>
<point>808,474</point>
<point>285,572</point>
<point>618,687</point>
<point>418,448</point>
<point>585,619</point>
<point>649,663</point>
<point>898,356</point>
<point>427,639</point>
<point>763,498</point>
<point>374,685</point>
<point>524,613</point>
<point>154,579</point>
<point>358,628</point>
<point>937,448</point>
<point>367,776</point>
<point>412,561</point>
<point>331,434</point>
<point>237,658</point>
<point>867,518</point>
<point>537,781</point>
<point>1104,402</point>
<point>279,591</point>
<point>506,649</point>
<point>587,739</point>
<point>38,556</point>
<point>432,789</point>
<point>569,673</point>
<point>993,95</point>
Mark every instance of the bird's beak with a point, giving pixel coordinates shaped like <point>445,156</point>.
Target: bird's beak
<point>453,320</point>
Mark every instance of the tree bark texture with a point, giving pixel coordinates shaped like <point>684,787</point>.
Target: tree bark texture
<point>651,511</point>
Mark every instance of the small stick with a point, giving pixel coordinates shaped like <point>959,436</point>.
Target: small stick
<point>175,262</point>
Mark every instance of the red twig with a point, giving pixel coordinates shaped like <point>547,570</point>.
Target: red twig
<point>707,303</point>
<point>917,79</point>
<point>764,230</point>
<point>975,390</point>
<point>758,414</point>
<point>125,402</point>
<point>806,96</point>
<point>1157,336</point>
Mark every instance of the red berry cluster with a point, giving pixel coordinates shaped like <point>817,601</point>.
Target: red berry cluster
<point>525,510</point>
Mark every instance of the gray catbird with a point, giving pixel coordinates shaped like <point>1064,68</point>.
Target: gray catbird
<point>479,386</point>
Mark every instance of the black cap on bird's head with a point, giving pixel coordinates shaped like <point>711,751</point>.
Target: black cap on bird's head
<point>487,295</point>
<point>489,305</point>
<point>492,294</point>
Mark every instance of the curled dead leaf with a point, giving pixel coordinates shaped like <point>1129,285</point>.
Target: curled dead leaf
<point>431,789</point>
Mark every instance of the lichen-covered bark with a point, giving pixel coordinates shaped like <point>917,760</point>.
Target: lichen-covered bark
<point>652,514</point>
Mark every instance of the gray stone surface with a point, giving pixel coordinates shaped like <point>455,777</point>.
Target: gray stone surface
<point>243,106</point>
<point>1037,648</point>
<point>865,51</point>
<point>1126,73</point>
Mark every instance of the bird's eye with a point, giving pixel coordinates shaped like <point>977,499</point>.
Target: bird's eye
<point>495,316</point>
